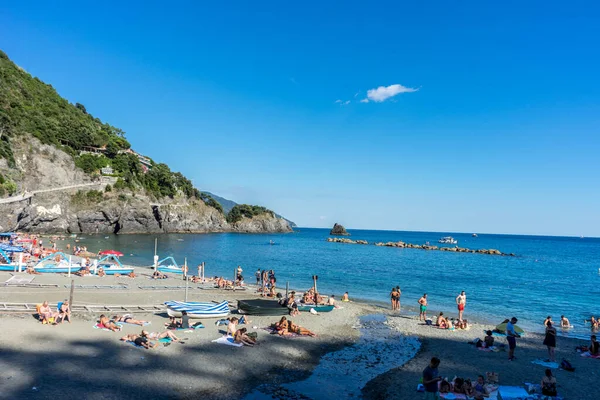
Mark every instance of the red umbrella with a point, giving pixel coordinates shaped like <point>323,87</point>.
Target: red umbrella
<point>110,252</point>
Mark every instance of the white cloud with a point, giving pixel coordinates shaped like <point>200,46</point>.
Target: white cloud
<point>342,102</point>
<point>356,94</point>
<point>338,101</point>
<point>322,217</point>
<point>382,93</point>
<point>346,102</point>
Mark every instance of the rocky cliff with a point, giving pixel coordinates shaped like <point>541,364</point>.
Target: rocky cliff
<point>89,208</point>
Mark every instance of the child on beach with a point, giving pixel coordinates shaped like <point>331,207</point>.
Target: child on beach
<point>345,297</point>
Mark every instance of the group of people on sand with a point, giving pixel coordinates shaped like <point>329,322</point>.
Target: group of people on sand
<point>47,316</point>
<point>266,282</point>
<point>143,339</point>
<point>450,323</point>
<point>479,389</point>
<point>240,335</point>
<point>285,327</point>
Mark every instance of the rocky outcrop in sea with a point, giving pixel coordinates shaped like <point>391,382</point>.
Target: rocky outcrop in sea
<point>338,230</point>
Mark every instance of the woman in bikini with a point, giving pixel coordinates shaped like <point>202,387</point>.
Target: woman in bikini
<point>394,299</point>
<point>128,319</point>
<point>281,326</point>
<point>300,330</point>
<point>232,326</point>
<point>158,336</point>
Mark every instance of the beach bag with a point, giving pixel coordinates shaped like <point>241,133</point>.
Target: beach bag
<point>492,377</point>
<point>566,365</point>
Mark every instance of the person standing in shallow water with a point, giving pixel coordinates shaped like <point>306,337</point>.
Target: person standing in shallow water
<point>394,299</point>
<point>431,379</point>
<point>399,294</point>
<point>461,302</point>
<point>423,307</point>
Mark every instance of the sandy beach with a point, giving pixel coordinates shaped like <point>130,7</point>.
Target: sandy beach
<point>77,361</point>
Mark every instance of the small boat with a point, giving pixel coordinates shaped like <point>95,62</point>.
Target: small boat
<point>112,265</point>
<point>197,310</point>
<point>56,263</point>
<point>169,265</point>
<point>474,235</point>
<point>261,307</point>
<point>448,240</point>
<point>322,308</point>
<point>6,264</point>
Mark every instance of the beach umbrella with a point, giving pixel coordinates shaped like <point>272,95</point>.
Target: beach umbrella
<point>110,253</point>
<point>502,328</point>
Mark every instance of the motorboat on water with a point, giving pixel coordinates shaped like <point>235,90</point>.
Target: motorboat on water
<point>474,235</point>
<point>196,310</point>
<point>169,265</point>
<point>448,240</point>
<point>112,265</point>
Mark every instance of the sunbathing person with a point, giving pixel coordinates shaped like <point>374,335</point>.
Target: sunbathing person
<point>300,330</point>
<point>129,338</point>
<point>64,312</point>
<point>158,336</point>
<point>101,272</point>
<point>244,320</point>
<point>143,342</point>
<point>30,270</point>
<point>232,326</point>
<point>158,275</point>
<point>184,323</point>
<point>45,313</point>
<point>104,322</point>
<point>480,389</point>
<point>282,326</point>
<point>172,324</point>
<point>489,339</point>
<point>128,319</point>
<point>442,322</point>
<point>242,337</point>
<point>548,384</point>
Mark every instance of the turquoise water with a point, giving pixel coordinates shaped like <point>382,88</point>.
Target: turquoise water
<point>550,276</point>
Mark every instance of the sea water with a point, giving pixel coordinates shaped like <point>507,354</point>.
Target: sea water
<point>549,275</point>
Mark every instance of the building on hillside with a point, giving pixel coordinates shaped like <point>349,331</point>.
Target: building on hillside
<point>145,161</point>
<point>107,170</point>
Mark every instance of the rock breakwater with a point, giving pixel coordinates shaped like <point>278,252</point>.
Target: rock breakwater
<point>403,245</point>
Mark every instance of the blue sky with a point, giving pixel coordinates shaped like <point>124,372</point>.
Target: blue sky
<point>493,125</point>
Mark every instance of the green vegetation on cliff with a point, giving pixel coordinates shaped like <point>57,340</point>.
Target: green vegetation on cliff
<point>240,211</point>
<point>28,106</point>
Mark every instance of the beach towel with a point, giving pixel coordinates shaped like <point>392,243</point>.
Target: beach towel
<point>165,340</point>
<point>547,364</point>
<point>453,396</point>
<point>227,340</point>
<point>587,354</point>
<point>97,326</point>
<point>512,393</point>
<point>190,329</point>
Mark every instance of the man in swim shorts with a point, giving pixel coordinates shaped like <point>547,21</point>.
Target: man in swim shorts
<point>511,338</point>
<point>423,308</point>
<point>461,301</point>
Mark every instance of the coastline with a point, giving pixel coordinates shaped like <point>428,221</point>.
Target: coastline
<point>96,362</point>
